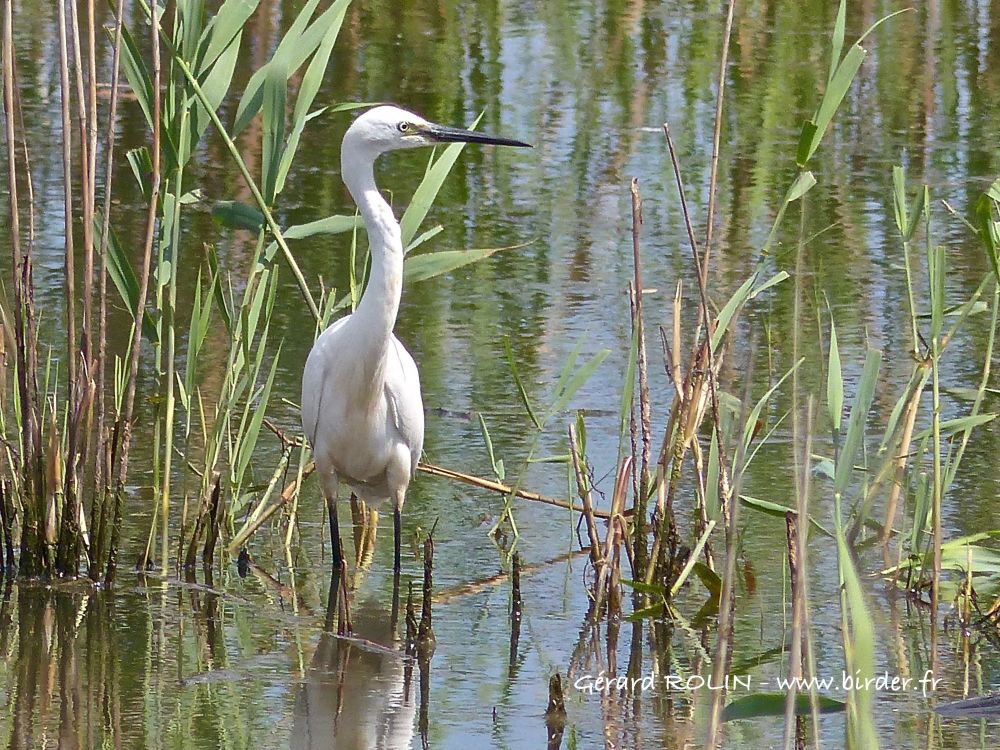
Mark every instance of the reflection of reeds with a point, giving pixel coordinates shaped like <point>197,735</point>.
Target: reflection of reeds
<point>64,672</point>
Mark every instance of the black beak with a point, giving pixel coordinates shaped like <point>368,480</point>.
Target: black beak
<point>445,134</point>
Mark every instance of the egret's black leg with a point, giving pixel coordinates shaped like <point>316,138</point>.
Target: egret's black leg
<point>338,554</point>
<point>396,539</point>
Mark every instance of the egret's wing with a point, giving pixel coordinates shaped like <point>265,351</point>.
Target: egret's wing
<point>406,408</point>
<point>314,379</point>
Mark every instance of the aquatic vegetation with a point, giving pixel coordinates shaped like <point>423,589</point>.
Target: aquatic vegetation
<point>774,472</point>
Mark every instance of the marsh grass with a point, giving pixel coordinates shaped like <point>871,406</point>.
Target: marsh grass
<point>711,436</point>
<point>68,430</point>
<point>676,510</point>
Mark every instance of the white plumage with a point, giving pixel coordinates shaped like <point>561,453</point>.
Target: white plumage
<point>361,404</point>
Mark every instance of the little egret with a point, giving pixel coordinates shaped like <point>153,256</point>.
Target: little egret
<point>361,405</point>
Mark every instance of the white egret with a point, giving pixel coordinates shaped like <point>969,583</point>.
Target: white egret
<point>361,404</point>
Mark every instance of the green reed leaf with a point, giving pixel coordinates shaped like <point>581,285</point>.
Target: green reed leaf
<point>275,93</point>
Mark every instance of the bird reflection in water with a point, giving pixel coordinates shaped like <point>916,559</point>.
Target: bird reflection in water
<point>359,692</point>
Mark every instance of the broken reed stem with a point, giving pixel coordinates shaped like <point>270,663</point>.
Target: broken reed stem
<point>214,521</point>
<point>639,501</point>
<point>588,506</point>
<point>123,427</point>
<point>515,614</point>
<point>609,569</point>
<point>202,524</point>
<point>425,632</point>
<point>555,713</point>
<point>515,587</point>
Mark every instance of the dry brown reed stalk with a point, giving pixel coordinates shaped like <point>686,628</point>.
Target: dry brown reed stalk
<point>291,491</point>
<point>902,453</point>
<point>607,563</point>
<point>583,488</point>
<point>687,411</point>
<point>690,400</point>
<point>426,642</point>
<point>640,487</point>
<point>67,163</point>
<point>102,463</point>
<point>609,568</point>
<point>25,335</point>
<point>214,523</point>
<point>123,426</point>
<point>690,403</point>
<point>515,587</point>
<point>894,468</point>
<point>503,489</point>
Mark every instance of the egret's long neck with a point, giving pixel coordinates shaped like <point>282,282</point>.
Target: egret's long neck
<point>376,313</point>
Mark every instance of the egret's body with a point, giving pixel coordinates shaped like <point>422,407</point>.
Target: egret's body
<point>361,404</point>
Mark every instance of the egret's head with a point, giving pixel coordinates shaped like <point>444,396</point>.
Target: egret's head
<point>388,128</point>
